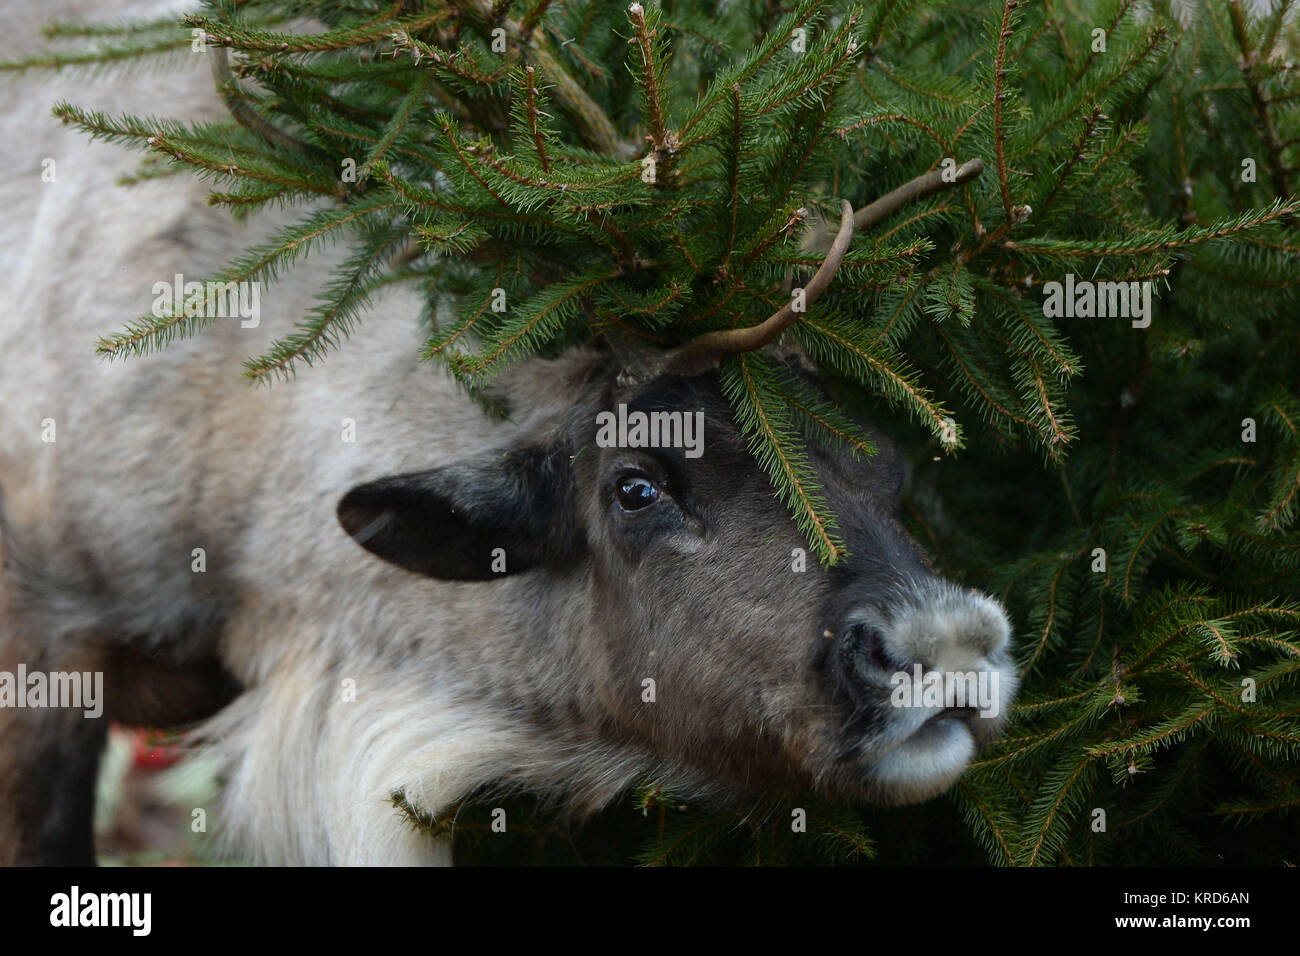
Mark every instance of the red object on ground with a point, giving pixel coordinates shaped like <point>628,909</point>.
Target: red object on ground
<point>151,753</point>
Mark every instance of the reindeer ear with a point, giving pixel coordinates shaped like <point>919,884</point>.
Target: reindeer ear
<point>476,520</point>
<point>635,362</point>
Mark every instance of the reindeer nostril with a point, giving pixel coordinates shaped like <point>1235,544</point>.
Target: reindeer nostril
<point>869,642</point>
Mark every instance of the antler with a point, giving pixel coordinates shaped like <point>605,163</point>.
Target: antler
<point>923,185</point>
<point>705,351</point>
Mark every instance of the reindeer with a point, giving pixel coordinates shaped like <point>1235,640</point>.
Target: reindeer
<point>445,603</point>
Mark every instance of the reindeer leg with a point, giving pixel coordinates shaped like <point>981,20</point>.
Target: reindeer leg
<point>49,758</point>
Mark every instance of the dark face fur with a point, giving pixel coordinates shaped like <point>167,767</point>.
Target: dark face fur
<point>711,635</point>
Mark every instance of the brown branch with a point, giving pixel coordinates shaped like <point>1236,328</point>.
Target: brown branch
<point>644,41</point>
<point>1080,145</point>
<point>999,134</point>
<point>532,113</point>
<point>594,126</point>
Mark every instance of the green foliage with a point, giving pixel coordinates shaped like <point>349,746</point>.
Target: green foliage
<point>1170,156</point>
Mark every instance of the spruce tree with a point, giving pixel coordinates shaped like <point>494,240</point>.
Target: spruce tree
<point>654,172</point>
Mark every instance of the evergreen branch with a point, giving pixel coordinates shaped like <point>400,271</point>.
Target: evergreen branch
<point>1188,762</point>
<point>1076,154</point>
<point>537,320</point>
<point>773,42</point>
<point>650,74</point>
<point>382,28</point>
<point>774,444</point>
<point>244,114</point>
<point>1170,239</point>
<point>1242,808</point>
<point>706,350</point>
<point>905,119</point>
<point>1029,708</point>
<point>1131,564</point>
<point>427,199</point>
<point>1116,76</point>
<point>1279,514</point>
<point>297,240</point>
<point>452,63</point>
<point>114,28</point>
<point>597,130</point>
<point>848,840</point>
<point>151,168</point>
<point>533,17</point>
<point>1040,334</point>
<point>1274,27</point>
<point>1066,784</point>
<point>832,344</point>
<point>593,124</point>
<point>1057,435</point>
<point>584,60</point>
<point>1016,749</point>
<point>438,344</point>
<point>663,852</point>
<point>99,55</point>
<point>1165,732</point>
<point>928,91</point>
<point>1275,643</point>
<point>990,820</point>
<point>461,238</point>
<point>200,150</point>
<point>332,319</point>
<point>999,95</point>
<point>819,84</point>
<point>1207,690</point>
<point>1058,24</point>
<point>1121,10</point>
<point>533,112</point>
<point>1062,567</point>
<point>733,152</point>
<point>461,153</point>
<point>659,308</point>
<point>824,416</point>
<point>769,237</point>
<point>153,332</point>
<point>823,420</point>
<point>401,117</point>
<point>916,189</point>
<point>927,184</point>
<point>981,390</point>
<point>898,312</point>
<point>1260,101</point>
<point>855,260</point>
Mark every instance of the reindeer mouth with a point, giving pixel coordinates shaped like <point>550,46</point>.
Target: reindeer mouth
<point>925,686</point>
<point>953,713</point>
<point>925,754</point>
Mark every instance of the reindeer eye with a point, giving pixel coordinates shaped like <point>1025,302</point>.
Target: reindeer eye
<point>636,492</point>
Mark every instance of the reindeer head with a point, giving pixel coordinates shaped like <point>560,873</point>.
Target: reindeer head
<point>676,615</point>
